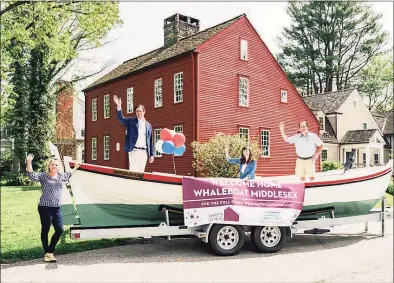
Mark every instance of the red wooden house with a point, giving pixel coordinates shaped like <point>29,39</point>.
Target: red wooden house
<point>222,79</point>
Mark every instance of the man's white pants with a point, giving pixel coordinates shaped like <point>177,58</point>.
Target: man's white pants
<point>137,160</point>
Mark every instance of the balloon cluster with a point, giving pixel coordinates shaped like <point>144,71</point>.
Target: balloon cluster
<point>171,142</point>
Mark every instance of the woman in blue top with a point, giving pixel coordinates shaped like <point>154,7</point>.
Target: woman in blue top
<point>50,202</point>
<point>247,165</point>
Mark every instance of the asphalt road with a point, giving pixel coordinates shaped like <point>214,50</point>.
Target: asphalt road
<point>334,257</point>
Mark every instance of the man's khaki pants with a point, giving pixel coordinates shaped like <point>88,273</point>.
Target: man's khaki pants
<point>305,167</point>
<point>137,160</point>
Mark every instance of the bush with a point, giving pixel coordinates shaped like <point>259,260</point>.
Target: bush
<point>210,158</point>
<point>390,188</point>
<point>6,161</point>
<point>16,179</point>
<point>331,165</point>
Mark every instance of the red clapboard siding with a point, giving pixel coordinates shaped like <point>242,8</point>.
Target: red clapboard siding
<point>168,116</point>
<point>219,67</point>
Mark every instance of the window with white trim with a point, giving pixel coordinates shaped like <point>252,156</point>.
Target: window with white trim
<point>106,147</point>
<point>94,148</point>
<point>283,95</point>
<point>321,122</point>
<point>244,49</point>
<point>94,109</point>
<point>178,87</point>
<point>376,158</point>
<point>156,137</point>
<point>244,133</point>
<point>130,102</point>
<point>365,126</point>
<point>324,155</point>
<point>178,129</point>
<point>265,143</point>
<point>158,93</point>
<point>354,103</point>
<point>106,106</point>
<point>243,91</point>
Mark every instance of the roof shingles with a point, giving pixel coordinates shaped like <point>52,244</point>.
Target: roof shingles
<point>328,102</point>
<point>358,136</point>
<point>184,45</point>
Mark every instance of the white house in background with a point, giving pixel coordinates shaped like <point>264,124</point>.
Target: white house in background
<point>385,123</point>
<point>346,123</point>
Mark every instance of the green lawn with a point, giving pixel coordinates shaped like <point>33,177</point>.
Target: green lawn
<point>20,228</point>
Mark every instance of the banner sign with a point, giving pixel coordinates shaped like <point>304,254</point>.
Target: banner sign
<point>244,202</point>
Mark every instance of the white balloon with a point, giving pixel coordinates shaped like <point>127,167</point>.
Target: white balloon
<point>172,133</point>
<point>158,146</point>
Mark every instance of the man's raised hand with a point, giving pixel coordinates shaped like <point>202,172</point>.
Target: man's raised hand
<point>118,101</point>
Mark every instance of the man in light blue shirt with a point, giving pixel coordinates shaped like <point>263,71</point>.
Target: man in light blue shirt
<point>308,148</point>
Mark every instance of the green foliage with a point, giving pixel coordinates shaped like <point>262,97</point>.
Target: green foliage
<point>331,165</point>
<point>40,40</point>
<point>328,43</point>
<point>16,179</point>
<point>376,83</point>
<point>210,158</point>
<point>390,189</point>
<point>6,161</point>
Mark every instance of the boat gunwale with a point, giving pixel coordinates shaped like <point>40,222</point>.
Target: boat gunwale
<point>177,180</point>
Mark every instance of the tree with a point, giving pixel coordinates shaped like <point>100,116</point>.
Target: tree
<point>376,83</point>
<point>210,158</point>
<point>40,41</point>
<point>329,43</point>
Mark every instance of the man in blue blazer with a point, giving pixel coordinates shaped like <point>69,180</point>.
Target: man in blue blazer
<point>138,143</point>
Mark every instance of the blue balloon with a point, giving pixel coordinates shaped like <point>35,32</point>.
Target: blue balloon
<point>168,147</point>
<point>180,150</point>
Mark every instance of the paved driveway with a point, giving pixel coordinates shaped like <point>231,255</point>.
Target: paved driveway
<point>305,258</point>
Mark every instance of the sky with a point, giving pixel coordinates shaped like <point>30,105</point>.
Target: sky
<point>142,29</point>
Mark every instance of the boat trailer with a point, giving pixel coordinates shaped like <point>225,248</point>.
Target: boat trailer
<point>228,239</point>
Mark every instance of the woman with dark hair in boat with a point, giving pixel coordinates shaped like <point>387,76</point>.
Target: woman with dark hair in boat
<point>247,165</point>
<point>50,203</point>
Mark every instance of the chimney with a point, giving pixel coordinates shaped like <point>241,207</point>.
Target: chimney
<point>179,26</point>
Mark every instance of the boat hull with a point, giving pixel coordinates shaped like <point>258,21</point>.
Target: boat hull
<point>106,198</point>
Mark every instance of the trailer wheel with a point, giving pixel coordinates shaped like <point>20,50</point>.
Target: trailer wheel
<point>226,240</point>
<point>268,239</point>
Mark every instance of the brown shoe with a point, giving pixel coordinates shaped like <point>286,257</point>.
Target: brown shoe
<point>49,257</point>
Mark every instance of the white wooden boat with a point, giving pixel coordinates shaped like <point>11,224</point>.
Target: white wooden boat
<point>111,197</point>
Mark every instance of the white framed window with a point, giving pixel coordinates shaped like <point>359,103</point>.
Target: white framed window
<point>283,95</point>
<point>156,137</point>
<point>365,126</point>
<point>158,93</point>
<point>243,92</point>
<point>244,133</point>
<point>94,109</point>
<point>178,87</point>
<point>324,155</point>
<point>106,147</point>
<point>265,143</point>
<point>244,49</point>
<point>106,106</point>
<point>321,122</point>
<point>178,129</point>
<point>94,148</point>
<point>354,103</point>
<point>376,158</point>
<point>130,100</point>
